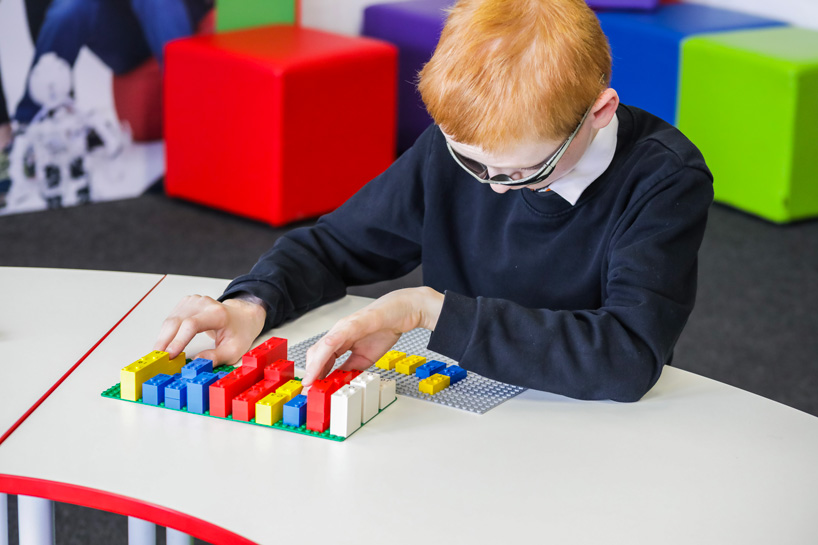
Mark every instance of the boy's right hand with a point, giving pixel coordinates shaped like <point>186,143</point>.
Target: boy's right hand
<point>234,325</point>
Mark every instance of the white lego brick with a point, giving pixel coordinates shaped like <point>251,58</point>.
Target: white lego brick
<point>388,392</point>
<point>345,411</point>
<point>370,384</point>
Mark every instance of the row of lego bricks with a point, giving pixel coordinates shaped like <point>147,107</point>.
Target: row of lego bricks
<point>473,393</point>
<point>263,390</point>
<point>435,376</point>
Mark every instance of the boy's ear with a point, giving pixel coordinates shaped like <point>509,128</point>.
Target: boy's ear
<point>604,108</point>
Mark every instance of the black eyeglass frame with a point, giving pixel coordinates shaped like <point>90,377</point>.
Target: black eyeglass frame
<point>504,179</point>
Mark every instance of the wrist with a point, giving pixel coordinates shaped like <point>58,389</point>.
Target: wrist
<point>254,309</point>
<point>431,307</point>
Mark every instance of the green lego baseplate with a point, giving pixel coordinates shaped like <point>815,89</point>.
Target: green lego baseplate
<point>113,393</point>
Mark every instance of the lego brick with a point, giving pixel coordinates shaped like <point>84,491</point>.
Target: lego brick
<point>295,411</point>
<point>244,404</point>
<point>176,394</point>
<point>388,360</point>
<point>388,392</point>
<point>279,370</point>
<point>369,384</point>
<point>153,389</point>
<point>343,378</point>
<point>434,384</point>
<point>773,73</point>
<point>291,388</point>
<point>222,374</point>
<point>409,364</point>
<point>429,368</point>
<point>134,375</point>
<point>269,409</point>
<point>455,373</point>
<point>476,395</point>
<point>196,367</point>
<point>318,404</point>
<point>345,411</point>
<point>198,398</point>
<point>294,79</point>
<point>223,391</point>
<point>271,350</point>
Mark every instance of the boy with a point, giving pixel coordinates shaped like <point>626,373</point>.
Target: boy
<point>558,230</point>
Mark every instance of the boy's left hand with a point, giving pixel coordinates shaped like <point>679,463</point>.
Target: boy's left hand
<point>373,330</point>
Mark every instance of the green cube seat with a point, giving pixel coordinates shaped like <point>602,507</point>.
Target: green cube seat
<point>241,14</point>
<point>749,101</point>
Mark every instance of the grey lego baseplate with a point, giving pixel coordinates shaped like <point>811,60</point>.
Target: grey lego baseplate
<point>475,393</point>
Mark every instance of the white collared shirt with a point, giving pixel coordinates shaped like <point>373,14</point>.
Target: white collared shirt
<point>593,163</point>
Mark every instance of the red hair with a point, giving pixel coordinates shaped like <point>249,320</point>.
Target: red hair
<point>505,71</point>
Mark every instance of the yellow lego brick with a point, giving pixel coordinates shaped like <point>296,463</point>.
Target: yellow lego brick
<point>270,408</point>
<point>290,389</point>
<point>434,384</point>
<point>132,376</point>
<point>389,359</point>
<point>407,365</point>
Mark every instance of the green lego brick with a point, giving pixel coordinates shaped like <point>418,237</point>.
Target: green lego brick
<point>240,14</point>
<point>748,100</point>
<point>113,393</point>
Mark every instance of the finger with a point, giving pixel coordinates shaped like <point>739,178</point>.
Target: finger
<point>212,318</point>
<point>320,358</point>
<point>357,362</point>
<point>167,332</point>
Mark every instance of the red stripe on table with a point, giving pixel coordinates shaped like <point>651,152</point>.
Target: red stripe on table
<point>122,505</point>
<point>73,367</point>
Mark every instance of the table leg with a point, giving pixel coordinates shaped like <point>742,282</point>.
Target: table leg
<point>175,537</point>
<point>141,532</point>
<point>35,518</point>
<point>4,519</point>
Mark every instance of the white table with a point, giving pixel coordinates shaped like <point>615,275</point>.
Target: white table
<point>49,319</point>
<point>696,461</point>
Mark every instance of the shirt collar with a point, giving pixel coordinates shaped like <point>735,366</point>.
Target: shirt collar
<point>593,163</point>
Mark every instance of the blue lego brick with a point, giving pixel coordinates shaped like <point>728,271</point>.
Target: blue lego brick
<point>221,374</point>
<point>429,368</point>
<point>196,367</point>
<point>295,411</point>
<point>198,392</point>
<point>454,372</point>
<point>176,394</point>
<point>153,389</point>
<point>646,49</point>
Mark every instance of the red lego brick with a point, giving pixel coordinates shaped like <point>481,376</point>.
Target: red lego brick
<point>318,400</point>
<point>244,404</point>
<point>281,369</point>
<point>343,378</point>
<point>226,388</point>
<point>269,351</point>
<point>315,98</point>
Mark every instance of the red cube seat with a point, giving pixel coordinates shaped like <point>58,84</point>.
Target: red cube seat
<point>277,123</point>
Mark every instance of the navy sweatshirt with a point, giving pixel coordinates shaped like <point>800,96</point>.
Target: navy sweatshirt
<point>586,301</point>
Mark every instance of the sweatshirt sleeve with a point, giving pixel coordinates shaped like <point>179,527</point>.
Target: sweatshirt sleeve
<point>613,352</point>
<point>374,236</point>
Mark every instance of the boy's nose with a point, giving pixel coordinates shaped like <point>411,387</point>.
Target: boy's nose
<point>503,174</point>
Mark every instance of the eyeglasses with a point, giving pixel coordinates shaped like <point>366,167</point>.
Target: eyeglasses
<point>481,172</point>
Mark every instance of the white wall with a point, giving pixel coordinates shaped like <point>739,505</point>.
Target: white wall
<point>796,12</point>
<point>345,16</point>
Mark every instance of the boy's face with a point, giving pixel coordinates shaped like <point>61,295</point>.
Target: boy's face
<point>528,157</point>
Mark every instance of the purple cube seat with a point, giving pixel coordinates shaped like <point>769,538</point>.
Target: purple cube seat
<point>414,28</point>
